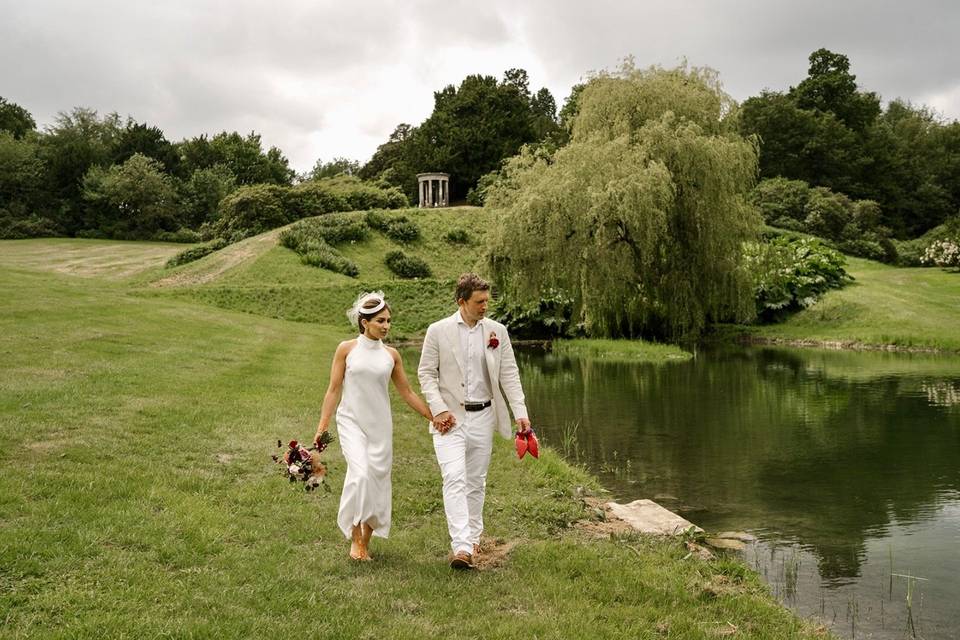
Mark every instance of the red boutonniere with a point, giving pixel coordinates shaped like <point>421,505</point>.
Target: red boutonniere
<point>493,342</point>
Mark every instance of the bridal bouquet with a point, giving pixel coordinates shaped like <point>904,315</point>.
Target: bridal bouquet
<point>304,464</point>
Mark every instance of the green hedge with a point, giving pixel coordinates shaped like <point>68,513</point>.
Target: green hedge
<point>407,266</point>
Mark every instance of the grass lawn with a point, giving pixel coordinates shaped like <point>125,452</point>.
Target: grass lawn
<point>903,307</point>
<point>138,498</point>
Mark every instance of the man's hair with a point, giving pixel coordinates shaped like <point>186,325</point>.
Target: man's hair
<point>467,284</point>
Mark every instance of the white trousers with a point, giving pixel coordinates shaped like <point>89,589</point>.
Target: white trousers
<point>464,455</point>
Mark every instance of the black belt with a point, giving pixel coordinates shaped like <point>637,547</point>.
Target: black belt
<point>476,406</point>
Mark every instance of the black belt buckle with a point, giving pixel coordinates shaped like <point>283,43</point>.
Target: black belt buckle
<point>476,406</point>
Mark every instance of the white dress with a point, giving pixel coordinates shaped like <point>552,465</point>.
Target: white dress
<point>365,429</point>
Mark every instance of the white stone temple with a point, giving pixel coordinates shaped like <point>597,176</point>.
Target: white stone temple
<point>434,189</point>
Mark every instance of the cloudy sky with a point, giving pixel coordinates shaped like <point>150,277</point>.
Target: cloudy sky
<point>321,79</point>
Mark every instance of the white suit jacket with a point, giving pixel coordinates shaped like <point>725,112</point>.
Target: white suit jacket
<point>441,372</point>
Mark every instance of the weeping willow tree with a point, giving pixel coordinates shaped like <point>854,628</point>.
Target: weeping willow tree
<point>641,217</point>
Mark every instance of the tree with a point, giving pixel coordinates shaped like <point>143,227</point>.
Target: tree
<point>830,87</point>
<point>77,142</point>
<point>134,200</point>
<point>641,217</point>
<point>243,156</point>
<point>202,193</point>
<point>21,174</point>
<point>15,119</point>
<point>148,141</point>
<point>333,168</point>
<point>543,110</point>
<point>800,144</point>
<point>472,129</point>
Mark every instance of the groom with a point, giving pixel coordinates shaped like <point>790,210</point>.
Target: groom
<point>466,361</point>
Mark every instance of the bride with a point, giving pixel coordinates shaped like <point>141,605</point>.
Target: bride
<point>360,374</point>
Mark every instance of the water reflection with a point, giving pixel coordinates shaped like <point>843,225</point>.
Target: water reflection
<point>821,452</point>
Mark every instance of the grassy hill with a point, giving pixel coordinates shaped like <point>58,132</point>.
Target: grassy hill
<point>259,276</point>
<point>910,308</point>
<point>138,499</point>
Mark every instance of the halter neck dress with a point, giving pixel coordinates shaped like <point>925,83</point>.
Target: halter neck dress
<point>365,430</point>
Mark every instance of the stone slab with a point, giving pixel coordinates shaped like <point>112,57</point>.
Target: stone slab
<point>646,516</point>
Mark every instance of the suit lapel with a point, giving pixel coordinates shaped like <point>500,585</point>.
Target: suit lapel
<point>489,359</point>
<point>453,339</point>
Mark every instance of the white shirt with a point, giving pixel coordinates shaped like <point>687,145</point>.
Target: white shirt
<point>476,378</point>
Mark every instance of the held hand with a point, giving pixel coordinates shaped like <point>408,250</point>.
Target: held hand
<point>443,422</point>
<point>523,424</point>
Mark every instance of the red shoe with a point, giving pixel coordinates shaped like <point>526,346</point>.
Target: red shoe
<point>521,444</point>
<point>533,445</point>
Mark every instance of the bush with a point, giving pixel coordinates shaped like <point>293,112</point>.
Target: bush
<point>406,266</point>
<point>251,210</point>
<point>780,198</point>
<point>942,253</point>
<point>195,253</point>
<point>403,230</point>
<point>827,213</point>
<point>180,235</point>
<point>791,274</point>
<point>348,193</point>
<point>318,253</point>
<point>331,230</point>
<point>12,228</point>
<point>910,253</point>
<point>398,228</point>
<point>376,219</point>
<point>313,198</point>
<point>457,236</point>
<point>477,196</point>
<point>548,316</point>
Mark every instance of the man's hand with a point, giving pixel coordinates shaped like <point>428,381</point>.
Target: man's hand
<point>523,424</point>
<point>443,422</point>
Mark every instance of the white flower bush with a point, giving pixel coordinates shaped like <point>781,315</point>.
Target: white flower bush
<point>942,253</point>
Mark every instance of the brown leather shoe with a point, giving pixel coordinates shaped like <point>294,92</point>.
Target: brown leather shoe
<point>462,560</point>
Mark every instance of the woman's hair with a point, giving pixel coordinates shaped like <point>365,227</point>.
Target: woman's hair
<point>467,284</point>
<point>371,303</point>
<point>366,306</point>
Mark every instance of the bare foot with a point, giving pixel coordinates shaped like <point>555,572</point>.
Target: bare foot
<point>366,531</point>
<point>358,550</point>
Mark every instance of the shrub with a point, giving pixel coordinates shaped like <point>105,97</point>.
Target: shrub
<point>313,198</point>
<point>376,219</point>
<point>402,229</point>
<point>332,230</point>
<point>406,266</point>
<point>180,235</point>
<point>12,228</point>
<point>780,198</point>
<point>251,210</point>
<point>477,196</point>
<point>791,274</point>
<point>548,316</point>
<point>942,253</point>
<point>195,253</point>
<point>457,236</point>
<point>318,253</point>
<point>827,213</point>
<point>352,194</point>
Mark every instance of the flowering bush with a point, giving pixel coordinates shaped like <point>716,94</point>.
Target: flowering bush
<point>790,274</point>
<point>942,253</point>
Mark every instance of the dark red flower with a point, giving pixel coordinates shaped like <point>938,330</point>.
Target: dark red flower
<point>494,342</point>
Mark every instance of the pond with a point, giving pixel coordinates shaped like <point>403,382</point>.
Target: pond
<point>844,465</point>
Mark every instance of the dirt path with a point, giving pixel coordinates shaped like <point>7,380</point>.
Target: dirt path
<point>218,263</point>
